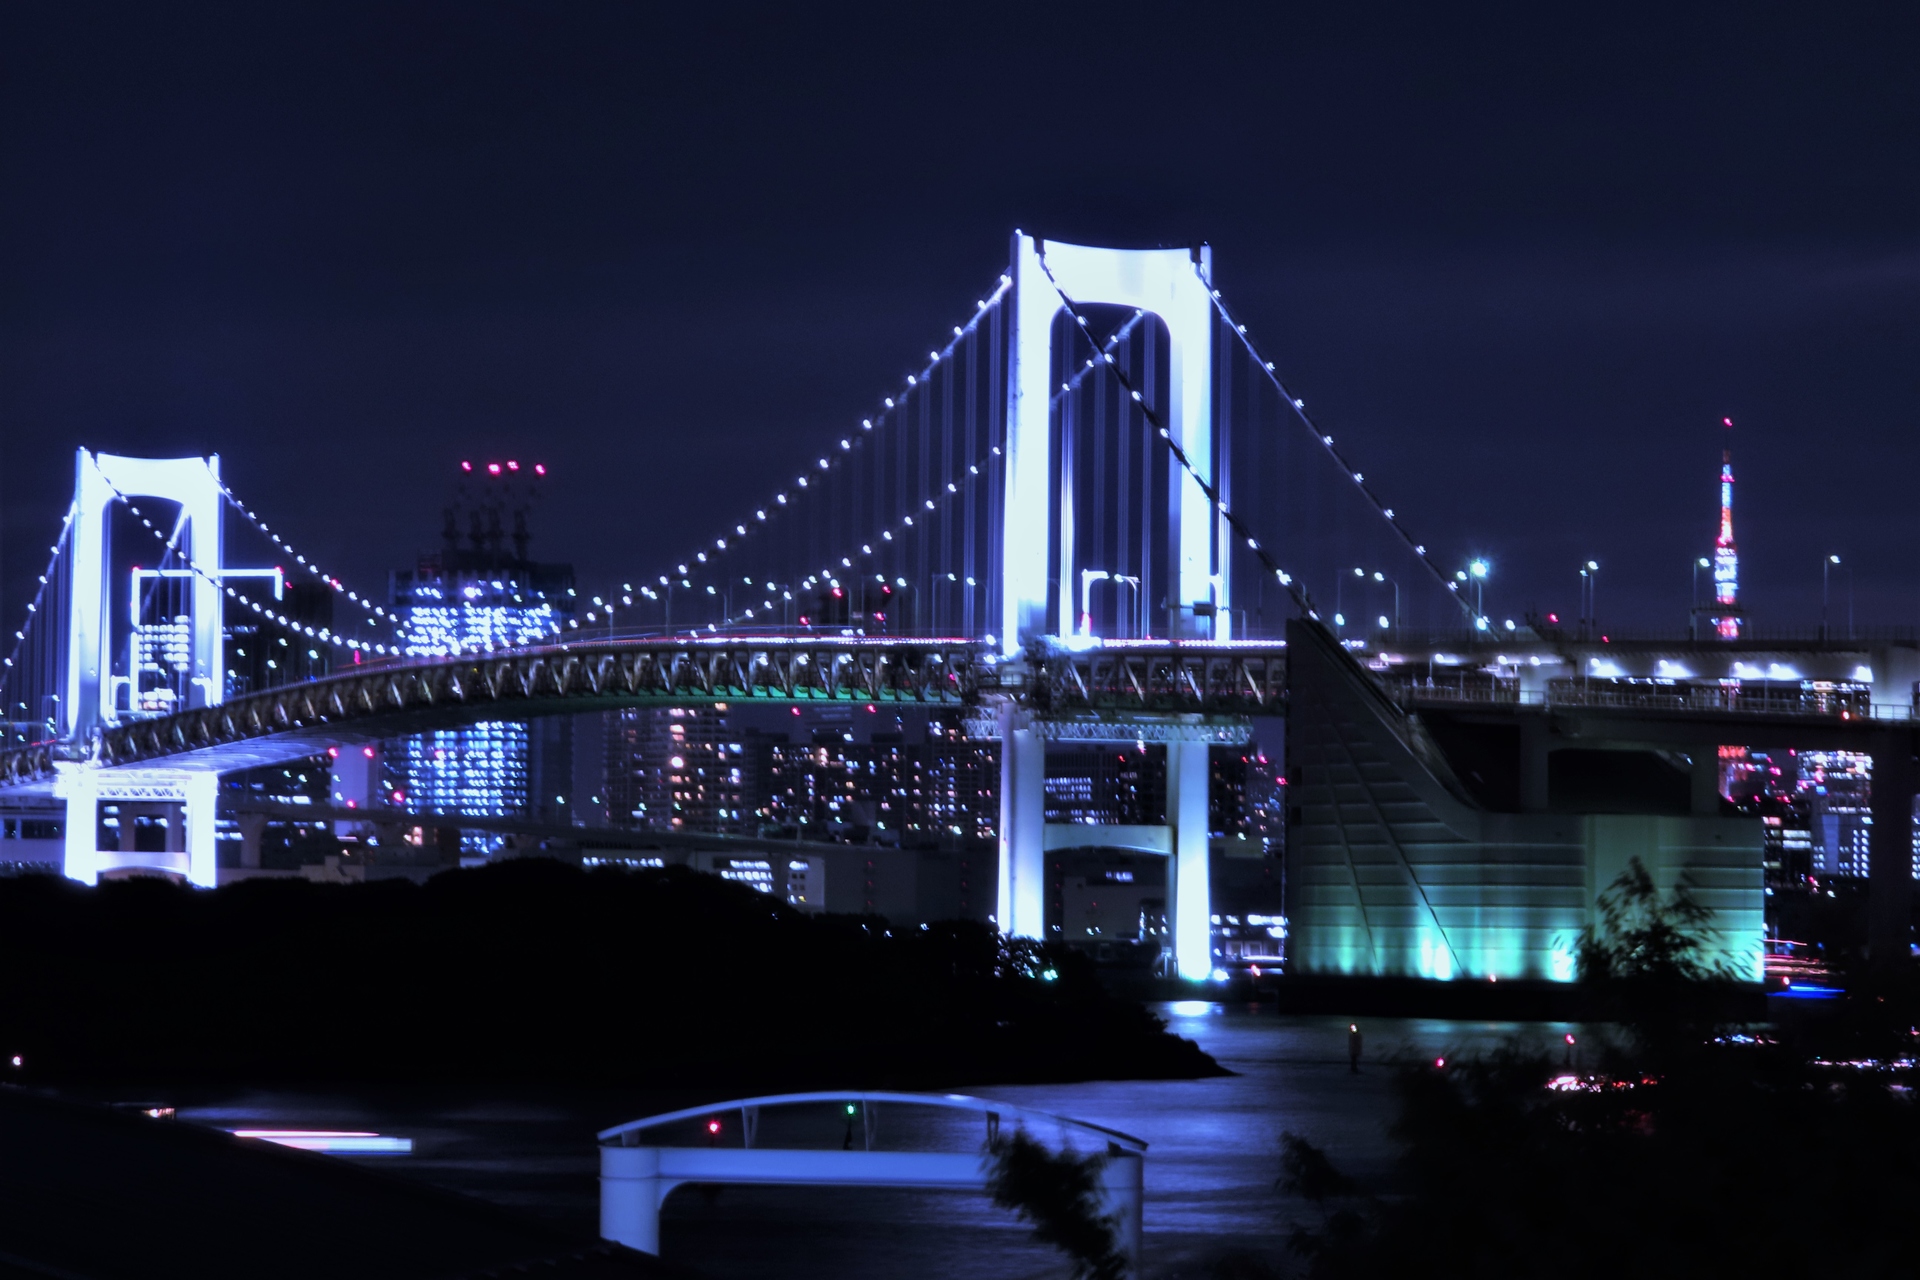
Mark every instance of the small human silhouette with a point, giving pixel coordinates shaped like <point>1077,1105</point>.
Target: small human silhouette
<point>1353,1047</point>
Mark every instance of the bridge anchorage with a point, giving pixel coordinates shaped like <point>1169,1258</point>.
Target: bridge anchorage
<point>1039,535</point>
<point>929,1142</point>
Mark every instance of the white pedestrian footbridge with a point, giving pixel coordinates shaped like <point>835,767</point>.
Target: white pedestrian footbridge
<point>913,1140</point>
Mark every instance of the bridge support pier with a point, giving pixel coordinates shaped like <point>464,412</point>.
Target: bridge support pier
<point>1191,899</point>
<point>1022,906</point>
<point>1890,848</point>
<point>631,1191</point>
<point>191,851</point>
<point>1705,777</point>
<point>1534,737</point>
<point>1123,1180</point>
<point>81,857</point>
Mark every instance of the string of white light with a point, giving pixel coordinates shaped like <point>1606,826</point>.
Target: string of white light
<point>40,592</point>
<point>1299,407</point>
<point>705,559</point>
<point>1207,487</point>
<point>299,559</point>
<point>324,634</point>
<point>827,576</point>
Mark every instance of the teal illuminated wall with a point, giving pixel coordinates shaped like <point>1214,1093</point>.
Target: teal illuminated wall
<point>1394,871</point>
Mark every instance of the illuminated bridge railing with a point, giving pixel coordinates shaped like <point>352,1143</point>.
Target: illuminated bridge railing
<point>1749,699</point>
<point>406,695</point>
<point>1247,678</point>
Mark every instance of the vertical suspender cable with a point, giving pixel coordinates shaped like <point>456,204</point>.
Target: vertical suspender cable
<point>922,543</point>
<point>1148,454</point>
<point>1098,422</point>
<point>1223,477</point>
<point>996,471</point>
<point>947,513</point>
<point>1123,531</point>
<point>970,533</point>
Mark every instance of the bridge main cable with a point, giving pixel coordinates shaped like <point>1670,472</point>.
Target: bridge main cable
<point>1299,407</point>
<point>966,484</point>
<point>891,409</point>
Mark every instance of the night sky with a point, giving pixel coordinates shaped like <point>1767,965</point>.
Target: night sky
<point>1521,261</point>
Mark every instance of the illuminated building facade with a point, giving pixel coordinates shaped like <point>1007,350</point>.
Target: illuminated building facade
<point>481,591</point>
<point>709,769</point>
<point>683,769</point>
<point>1107,785</point>
<point>939,793</point>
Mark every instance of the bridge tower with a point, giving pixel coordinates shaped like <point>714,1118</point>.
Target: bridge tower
<point>1173,285</point>
<point>90,701</point>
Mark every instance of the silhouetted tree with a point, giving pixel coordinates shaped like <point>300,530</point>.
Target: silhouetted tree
<point>1059,1193</point>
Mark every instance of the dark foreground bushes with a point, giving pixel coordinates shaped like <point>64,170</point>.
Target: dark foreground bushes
<point>532,970</point>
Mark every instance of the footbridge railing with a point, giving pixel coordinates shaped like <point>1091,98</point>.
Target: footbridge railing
<point>927,1141</point>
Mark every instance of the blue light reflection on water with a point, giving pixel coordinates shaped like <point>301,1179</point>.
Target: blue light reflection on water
<point>1211,1162</point>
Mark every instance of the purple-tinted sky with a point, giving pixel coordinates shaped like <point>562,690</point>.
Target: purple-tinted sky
<point>1521,260</point>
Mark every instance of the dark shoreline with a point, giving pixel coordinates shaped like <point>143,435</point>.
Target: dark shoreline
<point>532,973</point>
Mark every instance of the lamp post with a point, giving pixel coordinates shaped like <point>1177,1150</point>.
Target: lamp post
<point>1478,571</point>
<point>1826,568</point>
<point>1693,612</point>
<point>901,584</point>
<point>1126,580</point>
<point>1391,582</point>
<point>1589,597</point>
<point>1087,578</point>
<point>1090,576</point>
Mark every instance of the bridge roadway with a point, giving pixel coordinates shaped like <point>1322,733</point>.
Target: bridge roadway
<point>391,698</point>
<point>1067,682</point>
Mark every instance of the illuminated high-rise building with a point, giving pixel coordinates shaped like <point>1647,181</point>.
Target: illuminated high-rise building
<point>1726,556</point>
<point>477,593</point>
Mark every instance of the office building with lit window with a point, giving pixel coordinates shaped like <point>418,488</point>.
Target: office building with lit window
<point>481,591</point>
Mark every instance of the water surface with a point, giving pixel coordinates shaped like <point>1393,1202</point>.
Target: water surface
<point>1213,1154</point>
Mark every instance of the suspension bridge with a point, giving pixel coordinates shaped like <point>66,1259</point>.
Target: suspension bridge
<point>1093,512</point>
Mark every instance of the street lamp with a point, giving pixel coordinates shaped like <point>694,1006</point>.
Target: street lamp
<point>1379,576</point>
<point>1693,613</point>
<point>1087,578</point>
<point>1479,569</point>
<point>1589,593</point>
<point>1826,569</point>
<point>1090,576</point>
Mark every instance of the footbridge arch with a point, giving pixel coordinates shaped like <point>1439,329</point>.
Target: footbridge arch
<point>927,1141</point>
